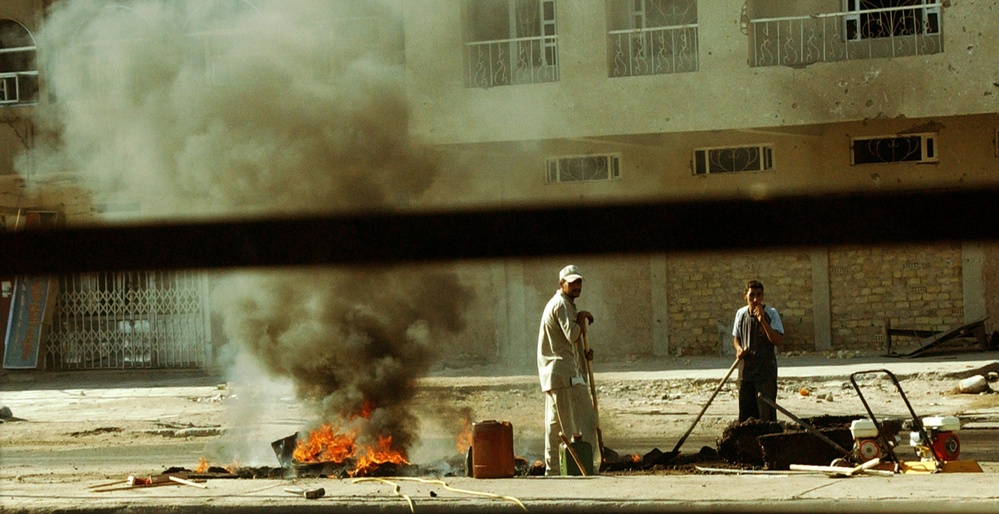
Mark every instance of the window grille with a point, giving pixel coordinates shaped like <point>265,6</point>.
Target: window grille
<point>511,42</point>
<point>650,37</point>
<point>920,148</point>
<point>861,29</point>
<point>8,88</point>
<point>732,159</point>
<point>18,71</point>
<point>137,319</point>
<point>871,19</point>
<point>582,168</point>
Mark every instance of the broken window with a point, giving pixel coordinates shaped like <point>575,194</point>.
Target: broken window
<point>510,42</point>
<point>901,148</point>
<point>18,72</point>
<point>731,159</point>
<point>582,168</point>
<point>650,37</point>
<point>869,19</point>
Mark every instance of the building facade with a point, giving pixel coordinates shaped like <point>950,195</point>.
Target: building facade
<point>556,102</point>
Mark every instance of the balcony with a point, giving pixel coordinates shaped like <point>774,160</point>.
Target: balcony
<point>506,62</point>
<point>844,36</point>
<point>653,51</point>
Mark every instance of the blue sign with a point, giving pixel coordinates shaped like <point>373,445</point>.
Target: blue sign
<point>24,328</point>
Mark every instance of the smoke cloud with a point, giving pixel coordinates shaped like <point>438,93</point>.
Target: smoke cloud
<point>232,107</point>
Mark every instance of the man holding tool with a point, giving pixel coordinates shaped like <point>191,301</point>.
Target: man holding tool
<point>568,405</point>
<point>756,334</point>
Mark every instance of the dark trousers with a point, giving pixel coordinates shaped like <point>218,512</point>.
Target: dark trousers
<point>752,407</point>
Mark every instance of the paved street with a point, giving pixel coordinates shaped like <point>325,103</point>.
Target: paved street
<point>781,492</point>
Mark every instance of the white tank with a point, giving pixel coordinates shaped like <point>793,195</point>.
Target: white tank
<point>863,429</point>
<point>942,423</point>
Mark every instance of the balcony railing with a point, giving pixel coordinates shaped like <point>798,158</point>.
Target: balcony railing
<point>845,36</point>
<point>653,51</point>
<point>508,62</point>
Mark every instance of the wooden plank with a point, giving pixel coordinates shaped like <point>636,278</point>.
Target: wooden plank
<point>930,342</point>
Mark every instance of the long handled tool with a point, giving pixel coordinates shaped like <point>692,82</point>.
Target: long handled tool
<point>593,395</point>
<point>676,449</point>
<point>572,452</point>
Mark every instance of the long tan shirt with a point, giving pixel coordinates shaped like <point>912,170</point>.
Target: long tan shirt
<point>558,341</point>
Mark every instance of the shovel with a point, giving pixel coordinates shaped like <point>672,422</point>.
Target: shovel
<point>593,395</point>
<point>676,449</point>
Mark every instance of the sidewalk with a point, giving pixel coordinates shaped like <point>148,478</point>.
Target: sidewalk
<point>958,492</point>
<point>687,493</point>
<point>812,366</point>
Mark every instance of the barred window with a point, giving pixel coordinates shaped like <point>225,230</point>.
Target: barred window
<point>900,148</point>
<point>582,168</point>
<point>731,159</point>
<point>509,42</point>
<point>869,19</point>
<point>18,71</point>
<point>649,37</point>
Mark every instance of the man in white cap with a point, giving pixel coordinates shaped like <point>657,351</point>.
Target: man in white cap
<point>562,368</point>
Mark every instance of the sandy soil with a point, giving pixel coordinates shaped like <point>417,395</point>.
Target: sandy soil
<point>68,429</point>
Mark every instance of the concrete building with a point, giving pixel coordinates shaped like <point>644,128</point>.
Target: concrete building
<point>558,102</point>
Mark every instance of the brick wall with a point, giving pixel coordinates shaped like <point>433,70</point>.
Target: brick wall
<point>916,287</point>
<point>706,290</point>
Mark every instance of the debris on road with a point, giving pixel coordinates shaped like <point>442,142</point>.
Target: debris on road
<point>135,482</point>
<point>974,385</point>
<point>310,493</point>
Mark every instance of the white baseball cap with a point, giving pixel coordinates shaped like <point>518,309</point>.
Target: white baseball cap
<point>570,273</point>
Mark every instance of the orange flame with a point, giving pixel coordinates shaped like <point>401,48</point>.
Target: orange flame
<point>325,444</point>
<point>328,444</point>
<point>202,465</point>
<point>374,457</point>
<point>464,439</point>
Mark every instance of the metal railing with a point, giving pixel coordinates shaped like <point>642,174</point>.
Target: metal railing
<point>128,320</point>
<point>844,36</point>
<point>653,51</point>
<point>506,62</point>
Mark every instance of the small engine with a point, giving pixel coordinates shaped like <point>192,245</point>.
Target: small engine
<point>942,431</point>
<point>865,440</point>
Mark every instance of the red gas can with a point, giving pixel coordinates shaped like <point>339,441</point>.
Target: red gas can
<point>492,449</point>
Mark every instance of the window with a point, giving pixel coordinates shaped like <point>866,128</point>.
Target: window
<point>211,25</point>
<point>510,42</point>
<point>731,159</point>
<point>901,148</point>
<point>650,37</point>
<point>870,19</point>
<point>582,168</point>
<point>18,72</point>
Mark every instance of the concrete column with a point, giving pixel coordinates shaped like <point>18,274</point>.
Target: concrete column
<point>520,347</point>
<point>821,310</point>
<point>660,305</point>
<point>501,329</point>
<point>973,281</point>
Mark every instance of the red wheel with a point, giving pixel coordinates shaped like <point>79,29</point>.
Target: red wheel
<point>947,446</point>
<point>868,449</point>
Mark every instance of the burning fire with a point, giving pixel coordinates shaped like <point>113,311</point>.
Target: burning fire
<point>202,465</point>
<point>328,444</point>
<point>464,439</point>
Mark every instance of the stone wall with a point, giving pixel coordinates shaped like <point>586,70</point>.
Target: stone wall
<point>916,287</point>
<point>705,291</point>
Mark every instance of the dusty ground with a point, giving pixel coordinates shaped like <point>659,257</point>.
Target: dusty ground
<point>104,427</point>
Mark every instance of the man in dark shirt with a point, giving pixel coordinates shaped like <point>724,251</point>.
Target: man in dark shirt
<point>756,333</point>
